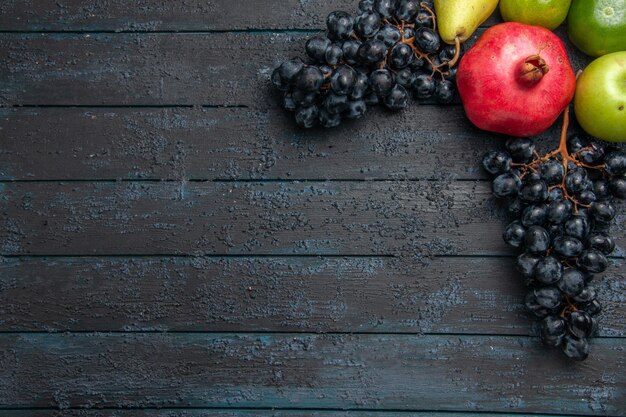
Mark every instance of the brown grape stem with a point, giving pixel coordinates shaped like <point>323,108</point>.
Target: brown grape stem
<point>432,13</point>
<point>562,153</point>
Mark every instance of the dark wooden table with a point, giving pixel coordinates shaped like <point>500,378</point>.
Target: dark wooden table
<point>172,245</point>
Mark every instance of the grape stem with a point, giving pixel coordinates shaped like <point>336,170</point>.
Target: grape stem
<point>432,13</point>
<point>565,158</point>
<point>569,308</point>
<point>562,149</point>
<point>419,54</point>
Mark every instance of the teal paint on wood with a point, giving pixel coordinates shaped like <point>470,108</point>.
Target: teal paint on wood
<point>232,144</point>
<point>219,69</point>
<point>447,373</point>
<point>177,412</point>
<point>151,15</point>
<point>408,219</point>
<point>462,373</point>
<point>446,295</point>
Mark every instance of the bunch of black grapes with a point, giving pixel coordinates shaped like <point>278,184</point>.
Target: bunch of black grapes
<point>390,49</point>
<point>563,204</point>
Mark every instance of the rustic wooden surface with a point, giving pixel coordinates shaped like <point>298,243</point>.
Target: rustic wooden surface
<point>171,245</point>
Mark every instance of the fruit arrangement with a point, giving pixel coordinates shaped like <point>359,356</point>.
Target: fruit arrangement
<point>516,80</point>
<point>563,204</point>
<point>389,50</point>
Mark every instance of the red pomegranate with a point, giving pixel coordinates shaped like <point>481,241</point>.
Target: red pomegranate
<point>516,80</point>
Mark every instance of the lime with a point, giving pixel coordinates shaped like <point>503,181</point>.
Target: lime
<point>598,27</point>
<point>547,13</point>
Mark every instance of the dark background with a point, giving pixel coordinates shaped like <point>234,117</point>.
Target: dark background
<point>170,240</point>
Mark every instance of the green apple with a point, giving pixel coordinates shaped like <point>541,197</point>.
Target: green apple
<point>600,100</point>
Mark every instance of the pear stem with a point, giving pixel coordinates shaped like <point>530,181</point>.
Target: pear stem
<point>457,53</point>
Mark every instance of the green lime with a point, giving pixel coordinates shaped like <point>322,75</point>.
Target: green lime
<point>598,27</point>
<point>547,13</point>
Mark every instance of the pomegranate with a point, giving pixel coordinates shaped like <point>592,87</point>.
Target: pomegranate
<point>516,80</point>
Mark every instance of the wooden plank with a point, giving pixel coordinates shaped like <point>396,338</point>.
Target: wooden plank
<point>203,143</point>
<point>443,295</point>
<point>411,219</point>
<point>181,412</point>
<point>223,69</point>
<point>396,372</point>
<point>151,15</point>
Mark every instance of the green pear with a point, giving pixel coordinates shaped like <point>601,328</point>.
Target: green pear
<point>460,18</point>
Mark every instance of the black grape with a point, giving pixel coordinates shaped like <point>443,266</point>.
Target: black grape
<point>387,52</point>
<point>563,204</point>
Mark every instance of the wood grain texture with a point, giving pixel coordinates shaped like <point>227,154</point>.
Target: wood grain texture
<point>410,372</point>
<point>151,15</point>
<point>409,310</point>
<point>180,143</point>
<point>410,219</point>
<point>442,295</point>
<point>216,412</point>
<point>219,69</point>
<point>427,142</point>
